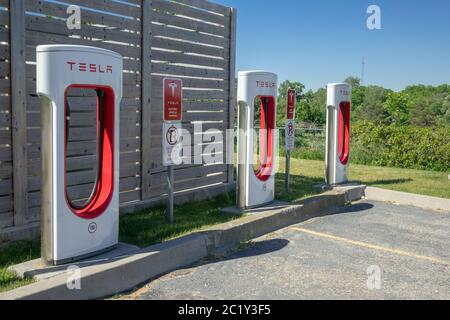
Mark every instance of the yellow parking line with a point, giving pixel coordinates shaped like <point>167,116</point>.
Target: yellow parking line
<point>372,246</point>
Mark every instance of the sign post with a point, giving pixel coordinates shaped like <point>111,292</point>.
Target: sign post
<point>289,134</point>
<point>172,135</point>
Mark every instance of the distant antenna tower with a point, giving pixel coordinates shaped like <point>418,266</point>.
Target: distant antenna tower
<point>363,65</point>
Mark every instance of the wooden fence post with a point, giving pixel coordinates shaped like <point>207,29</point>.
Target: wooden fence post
<point>146,84</point>
<point>232,88</point>
<point>19,111</point>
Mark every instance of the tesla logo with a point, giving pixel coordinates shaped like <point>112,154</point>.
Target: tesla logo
<point>265,84</point>
<point>291,95</point>
<point>89,67</point>
<point>173,86</point>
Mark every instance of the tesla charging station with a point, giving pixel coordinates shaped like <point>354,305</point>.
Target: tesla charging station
<point>256,186</point>
<point>338,133</point>
<point>71,230</point>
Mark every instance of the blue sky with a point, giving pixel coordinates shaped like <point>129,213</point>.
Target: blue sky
<point>321,41</point>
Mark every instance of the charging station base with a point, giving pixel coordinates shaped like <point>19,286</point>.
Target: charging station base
<point>38,271</point>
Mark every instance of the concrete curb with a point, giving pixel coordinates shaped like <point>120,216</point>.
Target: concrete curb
<point>408,199</point>
<point>118,275</point>
<point>125,273</point>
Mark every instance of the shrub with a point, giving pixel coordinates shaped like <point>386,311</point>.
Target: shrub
<point>401,146</point>
<point>386,145</point>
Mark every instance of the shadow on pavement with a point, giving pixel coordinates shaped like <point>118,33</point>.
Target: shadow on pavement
<point>258,249</point>
<point>354,208</point>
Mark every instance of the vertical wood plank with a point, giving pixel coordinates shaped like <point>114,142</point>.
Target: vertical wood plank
<point>146,155</point>
<point>19,114</point>
<point>232,88</point>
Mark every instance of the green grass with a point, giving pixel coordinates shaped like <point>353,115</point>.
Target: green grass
<point>428,183</point>
<point>301,186</point>
<point>150,227</point>
<point>13,254</point>
<point>307,172</point>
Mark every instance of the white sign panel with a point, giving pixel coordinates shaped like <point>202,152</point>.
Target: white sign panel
<point>172,143</point>
<point>290,135</point>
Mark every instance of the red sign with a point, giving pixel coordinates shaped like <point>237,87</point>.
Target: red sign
<point>173,99</point>
<point>290,108</point>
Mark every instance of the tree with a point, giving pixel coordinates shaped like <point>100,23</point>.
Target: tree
<point>355,82</point>
<point>418,105</point>
<point>398,106</point>
<point>445,120</point>
<point>286,85</point>
<point>429,105</point>
<point>422,114</point>
<point>313,107</point>
<point>431,111</point>
<point>358,93</point>
<point>372,105</point>
<point>358,96</point>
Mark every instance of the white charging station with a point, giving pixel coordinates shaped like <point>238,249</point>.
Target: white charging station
<point>256,186</point>
<point>71,231</point>
<point>339,96</point>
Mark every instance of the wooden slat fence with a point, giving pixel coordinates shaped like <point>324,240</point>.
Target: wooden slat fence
<point>191,39</point>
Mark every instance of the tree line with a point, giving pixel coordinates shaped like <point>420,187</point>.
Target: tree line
<point>416,105</point>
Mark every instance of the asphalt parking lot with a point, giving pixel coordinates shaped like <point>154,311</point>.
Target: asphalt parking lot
<point>368,250</point>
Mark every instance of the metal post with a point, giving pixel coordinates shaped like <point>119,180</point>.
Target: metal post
<point>288,171</point>
<point>170,198</point>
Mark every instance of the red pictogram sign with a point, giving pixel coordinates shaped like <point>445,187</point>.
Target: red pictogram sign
<point>290,108</point>
<point>173,99</point>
